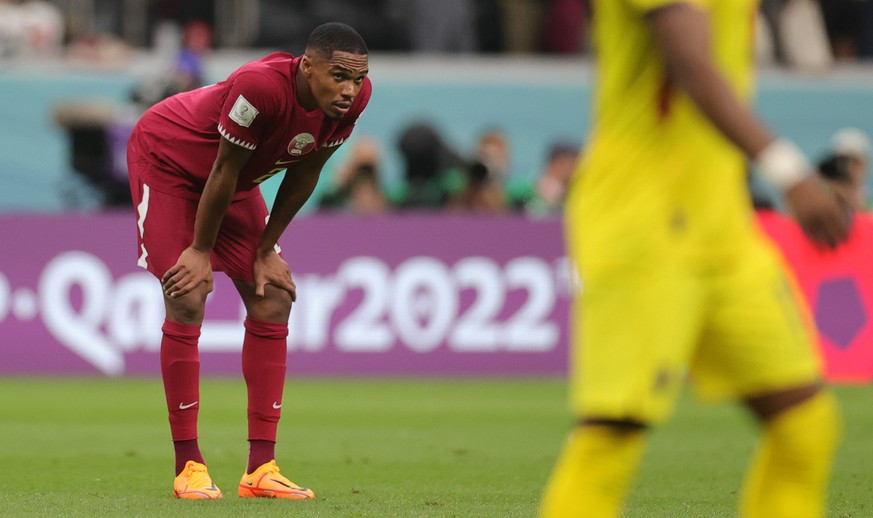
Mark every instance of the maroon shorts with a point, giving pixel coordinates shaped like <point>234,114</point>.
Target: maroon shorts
<point>166,228</point>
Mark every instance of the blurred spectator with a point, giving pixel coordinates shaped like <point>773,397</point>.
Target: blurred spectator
<point>282,25</point>
<point>848,165</point>
<point>802,33</point>
<point>845,23</point>
<point>98,132</point>
<point>490,26</point>
<point>433,172</point>
<point>798,33</point>
<point>182,12</point>
<point>853,143</point>
<point>493,152</point>
<point>380,22</point>
<point>484,189</point>
<point>444,26</point>
<point>767,31</point>
<point>186,68</point>
<point>553,181</point>
<point>285,25</point>
<point>356,187</point>
<point>90,155</point>
<point>103,49</point>
<point>30,28</point>
<point>524,25</point>
<point>835,169</point>
<point>481,194</point>
<point>865,45</point>
<point>103,30</point>
<point>564,30</point>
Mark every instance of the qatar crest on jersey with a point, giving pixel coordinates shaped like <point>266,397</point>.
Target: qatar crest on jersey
<point>301,144</point>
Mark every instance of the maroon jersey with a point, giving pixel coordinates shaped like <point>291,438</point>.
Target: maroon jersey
<point>255,107</point>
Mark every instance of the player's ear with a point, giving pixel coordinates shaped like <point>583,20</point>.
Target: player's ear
<point>306,66</point>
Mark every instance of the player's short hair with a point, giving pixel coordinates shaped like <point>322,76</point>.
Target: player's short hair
<point>334,36</point>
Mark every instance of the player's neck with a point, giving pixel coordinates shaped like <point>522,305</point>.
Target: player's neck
<point>304,92</point>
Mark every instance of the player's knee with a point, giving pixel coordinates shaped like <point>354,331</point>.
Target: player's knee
<point>188,309</point>
<point>807,433</point>
<point>274,307</point>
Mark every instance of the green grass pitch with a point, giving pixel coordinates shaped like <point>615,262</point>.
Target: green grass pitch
<point>372,448</point>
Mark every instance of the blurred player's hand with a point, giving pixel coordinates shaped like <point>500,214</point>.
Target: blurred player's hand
<point>272,269</point>
<point>191,269</point>
<point>822,213</point>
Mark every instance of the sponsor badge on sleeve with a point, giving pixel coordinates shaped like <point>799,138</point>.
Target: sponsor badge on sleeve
<point>243,113</point>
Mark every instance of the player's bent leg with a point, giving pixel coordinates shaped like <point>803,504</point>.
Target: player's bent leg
<point>264,365</point>
<point>189,308</point>
<point>594,471</point>
<point>180,372</point>
<point>264,355</point>
<point>274,306</point>
<point>789,474</point>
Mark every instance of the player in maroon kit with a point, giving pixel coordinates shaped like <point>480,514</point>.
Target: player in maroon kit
<point>196,160</point>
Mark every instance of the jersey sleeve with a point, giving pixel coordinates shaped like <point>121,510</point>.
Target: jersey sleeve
<point>252,101</point>
<point>344,129</point>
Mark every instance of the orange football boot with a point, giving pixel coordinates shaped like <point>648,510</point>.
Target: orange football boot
<point>194,483</point>
<point>266,482</point>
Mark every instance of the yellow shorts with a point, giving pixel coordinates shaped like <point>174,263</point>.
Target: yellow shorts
<point>734,331</point>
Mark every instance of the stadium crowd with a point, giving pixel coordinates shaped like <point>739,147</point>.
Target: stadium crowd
<point>808,34</point>
<point>791,30</point>
<point>437,176</point>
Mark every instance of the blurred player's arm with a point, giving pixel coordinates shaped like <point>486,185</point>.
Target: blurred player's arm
<point>193,266</point>
<point>682,33</point>
<point>296,188</point>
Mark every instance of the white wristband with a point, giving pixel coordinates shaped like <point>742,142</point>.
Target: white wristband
<point>782,164</point>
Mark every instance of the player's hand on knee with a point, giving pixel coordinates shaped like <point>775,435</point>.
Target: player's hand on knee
<point>192,269</point>
<point>272,269</point>
<point>822,215</point>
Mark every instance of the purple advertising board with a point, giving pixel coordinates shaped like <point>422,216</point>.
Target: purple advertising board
<point>410,294</point>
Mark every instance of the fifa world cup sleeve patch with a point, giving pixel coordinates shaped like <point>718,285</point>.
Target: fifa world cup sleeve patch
<point>243,113</point>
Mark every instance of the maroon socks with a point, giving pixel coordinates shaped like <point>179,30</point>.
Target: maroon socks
<point>180,370</point>
<point>264,356</point>
<point>263,363</point>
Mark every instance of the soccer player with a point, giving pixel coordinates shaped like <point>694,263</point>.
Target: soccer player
<point>196,160</point>
<point>676,279</point>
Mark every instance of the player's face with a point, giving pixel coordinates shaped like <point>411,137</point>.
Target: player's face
<point>335,81</point>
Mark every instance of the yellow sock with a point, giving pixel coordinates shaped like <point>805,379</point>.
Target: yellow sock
<point>789,474</point>
<point>592,475</point>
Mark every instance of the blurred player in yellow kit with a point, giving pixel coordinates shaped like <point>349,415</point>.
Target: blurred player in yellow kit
<point>677,280</point>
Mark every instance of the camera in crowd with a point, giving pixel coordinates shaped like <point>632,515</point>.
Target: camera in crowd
<point>478,173</point>
<point>836,167</point>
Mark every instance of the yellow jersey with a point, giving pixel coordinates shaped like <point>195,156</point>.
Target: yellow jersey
<point>658,181</point>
